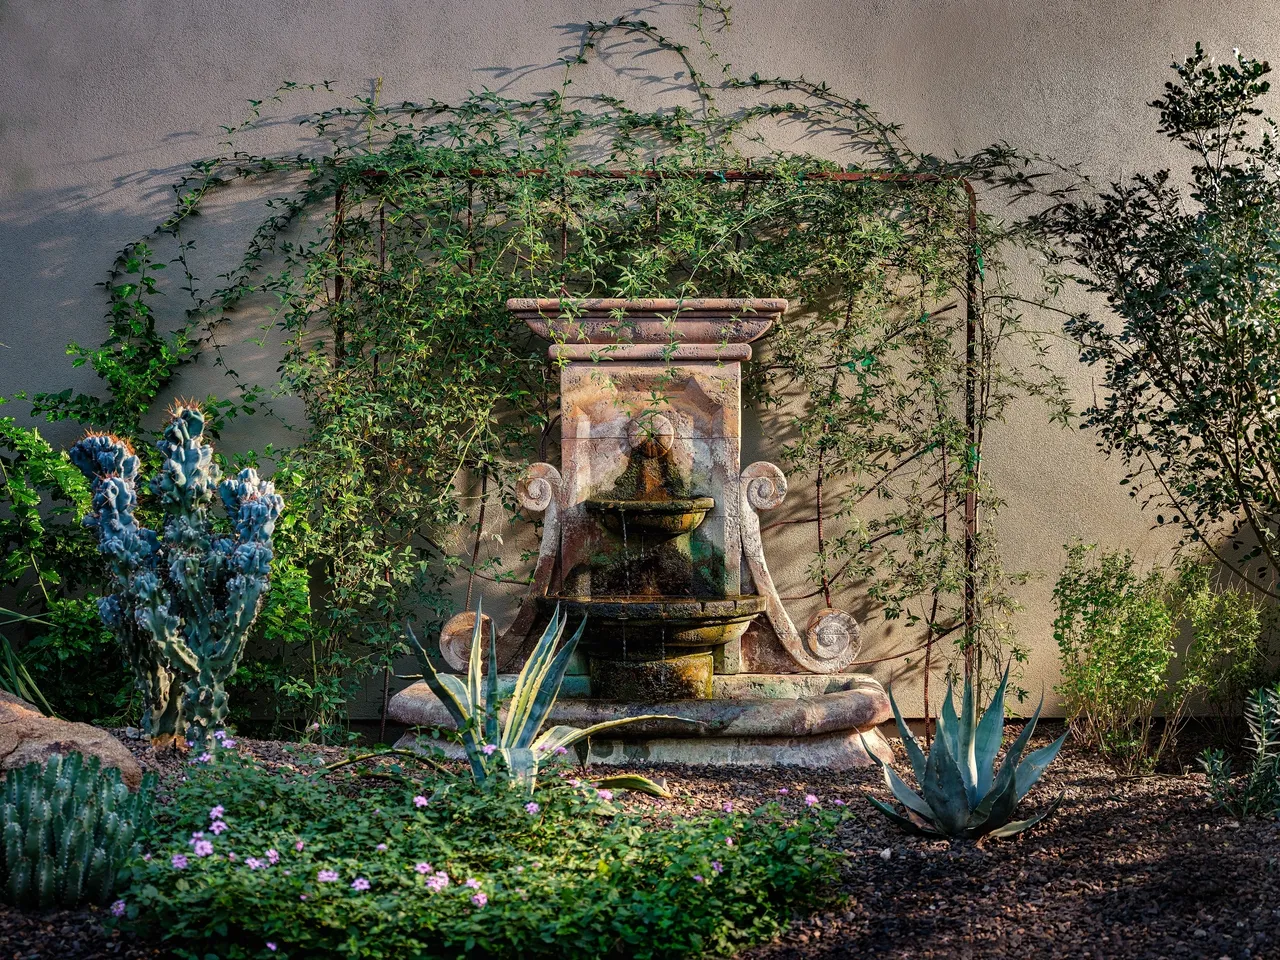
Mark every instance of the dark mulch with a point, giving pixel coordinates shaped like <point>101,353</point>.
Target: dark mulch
<point>1127,868</point>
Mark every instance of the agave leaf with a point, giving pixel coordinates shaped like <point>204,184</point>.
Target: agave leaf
<point>523,765</point>
<point>904,794</point>
<point>474,666</point>
<point>949,724</point>
<point>996,807</point>
<point>1017,826</point>
<point>491,685</point>
<point>533,688</point>
<point>1014,753</point>
<point>907,825</point>
<point>989,737</point>
<point>914,753</point>
<point>633,782</point>
<point>965,757</point>
<point>453,694</point>
<point>1031,769</point>
<point>944,789</point>
<point>549,687</point>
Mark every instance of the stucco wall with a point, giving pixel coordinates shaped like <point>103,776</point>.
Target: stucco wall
<point>102,102</point>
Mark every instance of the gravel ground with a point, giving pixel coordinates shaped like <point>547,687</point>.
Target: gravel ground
<point>1127,868</point>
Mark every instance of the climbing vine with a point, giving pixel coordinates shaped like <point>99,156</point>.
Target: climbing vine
<point>387,253</point>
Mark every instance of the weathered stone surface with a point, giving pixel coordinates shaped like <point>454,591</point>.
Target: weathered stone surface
<point>725,353</point>
<point>710,321</point>
<point>765,710</point>
<point>27,735</point>
<point>841,750</point>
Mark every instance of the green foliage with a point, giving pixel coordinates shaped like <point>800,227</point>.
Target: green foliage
<point>1257,792</point>
<point>962,793</point>
<point>388,262</point>
<point>66,830</point>
<point>182,602</point>
<point>1191,372</point>
<point>575,871</point>
<point>1117,636</point>
<point>517,745</point>
<point>74,657</point>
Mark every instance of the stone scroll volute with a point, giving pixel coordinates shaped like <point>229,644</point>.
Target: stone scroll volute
<point>832,638</point>
<point>538,491</point>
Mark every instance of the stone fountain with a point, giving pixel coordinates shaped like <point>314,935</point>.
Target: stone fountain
<point>651,529</point>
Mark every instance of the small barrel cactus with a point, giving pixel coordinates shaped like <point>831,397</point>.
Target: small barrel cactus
<point>184,599</point>
<point>66,830</point>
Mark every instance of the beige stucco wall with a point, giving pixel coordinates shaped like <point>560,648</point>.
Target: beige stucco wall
<point>102,102</point>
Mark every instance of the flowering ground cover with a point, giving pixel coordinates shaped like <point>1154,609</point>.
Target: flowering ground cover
<point>1134,867</point>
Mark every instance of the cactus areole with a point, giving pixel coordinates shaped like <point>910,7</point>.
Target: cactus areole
<point>182,600</point>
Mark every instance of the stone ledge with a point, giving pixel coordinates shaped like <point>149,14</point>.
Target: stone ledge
<point>746,705</point>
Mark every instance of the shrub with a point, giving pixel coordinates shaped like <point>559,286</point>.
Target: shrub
<point>1257,792</point>
<point>1117,634</point>
<point>67,828</point>
<point>321,868</point>
<point>76,660</point>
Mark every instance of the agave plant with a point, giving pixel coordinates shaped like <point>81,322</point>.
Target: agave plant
<point>519,739</point>
<point>961,792</point>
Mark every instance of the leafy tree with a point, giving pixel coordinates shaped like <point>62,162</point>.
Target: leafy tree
<point>1190,372</point>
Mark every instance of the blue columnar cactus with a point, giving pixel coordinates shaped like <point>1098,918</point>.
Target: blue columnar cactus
<point>184,600</point>
<point>66,829</point>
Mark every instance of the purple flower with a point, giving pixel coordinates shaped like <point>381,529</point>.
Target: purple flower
<point>437,882</point>
<point>298,846</point>
<point>217,812</point>
<point>784,791</point>
<point>424,868</point>
<point>561,751</point>
<point>204,757</point>
<point>810,800</point>
<point>575,783</point>
<point>380,847</point>
<point>253,863</point>
<point>178,861</point>
<point>271,946</point>
<point>231,856</point>
<point>697,878</point>
<point>228,743</point>
<point>604,794</point>
<point>327,876</point>
<point>480,899</point>
<point>837,803</point>
<point>302,896</point>
<point>202,848</point>
<point>218,826</point>
<point>420,802</point>
<point>359,883</point>
<point>314,727</point>
<point>531,807</point>
<point>728,841</point>
<point>146,858</point>
<point>273,857</point>
<point>717,866</point>
<point>473,883</point>
<point>728,806</point>
<point>118,908</point>
<point>488,749</point>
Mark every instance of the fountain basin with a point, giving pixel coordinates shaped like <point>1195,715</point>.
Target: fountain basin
<point>645,628</point>
<point>665,517</point>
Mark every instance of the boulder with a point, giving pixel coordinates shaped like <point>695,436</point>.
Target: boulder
<point>26,735</point>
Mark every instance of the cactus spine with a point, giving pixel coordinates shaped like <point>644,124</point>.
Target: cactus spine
<point>183,601</point>
<point>66,830</point>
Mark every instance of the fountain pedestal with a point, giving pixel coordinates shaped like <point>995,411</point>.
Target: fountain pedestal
<point>651,529</point>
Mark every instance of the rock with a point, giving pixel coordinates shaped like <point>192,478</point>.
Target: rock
<point>26,735</point>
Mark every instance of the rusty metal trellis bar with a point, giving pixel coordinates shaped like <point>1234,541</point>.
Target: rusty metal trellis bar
<point>972,321</point>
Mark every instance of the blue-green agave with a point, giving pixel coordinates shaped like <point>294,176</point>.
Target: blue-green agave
<point>962,794</point>
<point>519,739</point>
